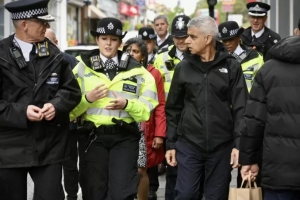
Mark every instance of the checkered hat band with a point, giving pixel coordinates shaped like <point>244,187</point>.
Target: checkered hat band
<point>102,31</point>
<point>29,13</point>
<point>233,32</point>
<point>257,9</point>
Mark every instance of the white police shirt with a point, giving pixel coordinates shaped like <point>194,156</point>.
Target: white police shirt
<point>25,48</point>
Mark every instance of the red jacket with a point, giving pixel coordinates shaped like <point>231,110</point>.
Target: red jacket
<point>156,125</point>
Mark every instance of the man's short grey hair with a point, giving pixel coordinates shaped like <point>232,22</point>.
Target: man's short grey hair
<point>206,25</point>
<point>164,17</point>
<point>16,23</point>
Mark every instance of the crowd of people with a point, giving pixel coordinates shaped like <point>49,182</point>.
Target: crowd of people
<point>197,101</point>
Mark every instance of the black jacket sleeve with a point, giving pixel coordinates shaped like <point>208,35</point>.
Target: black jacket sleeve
<point>69,95</point>
<point>255,119</point>
<point>174,106</point>
<point>238,96</point>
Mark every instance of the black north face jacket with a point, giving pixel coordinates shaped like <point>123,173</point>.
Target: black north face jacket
<point>205,106</point>
<point>49,79</point>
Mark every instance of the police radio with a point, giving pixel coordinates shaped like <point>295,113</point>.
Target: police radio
<point>96,62</point>
<point>124,60</point>
<point>170,65</point>
<point>43,49</point>
<point>17,55</point>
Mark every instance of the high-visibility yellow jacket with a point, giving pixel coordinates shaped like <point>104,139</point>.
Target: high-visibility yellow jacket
<point>251,61</point>
<point>159,63</point>
<point>135,84</point>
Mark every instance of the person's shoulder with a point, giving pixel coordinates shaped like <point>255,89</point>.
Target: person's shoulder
<point>273,36</point>
<point>162,50</point>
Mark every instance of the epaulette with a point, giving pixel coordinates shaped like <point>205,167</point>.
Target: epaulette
<point>164,49</point>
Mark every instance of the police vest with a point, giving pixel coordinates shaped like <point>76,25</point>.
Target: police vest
<point>137,85</point>
<point>167,75</point>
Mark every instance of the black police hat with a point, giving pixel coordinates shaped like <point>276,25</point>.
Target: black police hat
<point>147,33</point>
<point>26,9</point>
<point>108,26</point>
<point>229,29</point>
<point>258,8</point>
<point>179,28</point>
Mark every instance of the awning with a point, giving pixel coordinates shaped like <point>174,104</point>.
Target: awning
<point>76,3</point>
<point>96,12</point>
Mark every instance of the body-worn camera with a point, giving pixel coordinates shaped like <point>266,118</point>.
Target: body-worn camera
<point>19,58</point>
<point>124,61</point>
<point>96,62</point>
<point>170,65</point>
<point>43,49</point>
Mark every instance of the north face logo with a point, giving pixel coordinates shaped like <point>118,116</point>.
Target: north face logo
<point>223,70</point>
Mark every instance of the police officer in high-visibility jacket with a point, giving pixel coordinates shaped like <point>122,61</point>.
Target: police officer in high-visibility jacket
<point>117,91</point>
<point>250,59</point>
<point>169,57</point>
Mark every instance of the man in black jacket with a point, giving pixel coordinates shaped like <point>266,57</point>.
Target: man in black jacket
<point>204,112</point>
<point>161,25</point>
<point>70,168</point>
<point>38,90</point>
<point>272,117</point>
<point>258,35</point>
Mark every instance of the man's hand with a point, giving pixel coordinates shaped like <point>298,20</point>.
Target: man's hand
<point>234,160</point>
<point>118,103</point>
<point>48,111</point>
<point>170,157</point>
<point>157,142</point>
<point>34,113</point>
<point>97,93</point>
<point>251,170</point>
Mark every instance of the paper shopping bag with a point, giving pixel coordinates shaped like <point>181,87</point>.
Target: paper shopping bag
<point>255,192</point>
<point>239,194</point>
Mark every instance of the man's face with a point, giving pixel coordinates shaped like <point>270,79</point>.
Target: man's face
<point>179,42</point>
<point>36,29</point>
<point>231,44</point>
<point>161,27</point>
<point>150,45</point>
<point>257,23</point>
<point>196,42</point>
<point>108,45</point>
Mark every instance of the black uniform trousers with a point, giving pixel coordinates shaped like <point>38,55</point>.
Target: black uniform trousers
<point>47,183</point>
<point>153,178</point>
<point>70,168</point>
<point>108,170</point>
<point>191,163</point>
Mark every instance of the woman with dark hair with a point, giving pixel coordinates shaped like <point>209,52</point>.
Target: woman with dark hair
<point>156,125</point>
<point>117,92</point>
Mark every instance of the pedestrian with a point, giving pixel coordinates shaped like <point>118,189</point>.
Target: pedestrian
<point>204,113</point>
<point>117,92</point>
<point>166,62</point>
<point>155,127</point>
<point>161,25</point>
<point>70,168</point>
<point>271,118</point>
<point>38,91</point>
<point>258,35</point>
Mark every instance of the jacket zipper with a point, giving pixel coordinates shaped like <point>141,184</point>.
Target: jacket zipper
<point>206,109</point>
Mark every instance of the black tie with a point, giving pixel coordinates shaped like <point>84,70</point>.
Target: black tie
<point>253,38</point>
<point>110,68</point>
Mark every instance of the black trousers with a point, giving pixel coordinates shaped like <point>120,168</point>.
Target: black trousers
<point>191,164</point>
<point>281,195</point>
<point>47,183</point>
<point>70,168</point>
<point>153,178</point>
<point>109,167</point>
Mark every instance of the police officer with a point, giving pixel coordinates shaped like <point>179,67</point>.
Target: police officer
<point>38,90</point>
<point>117,91</point>
<point>258,35</point>
<point>169,57</point>
<point>161,26</point>
<point>165,62</point>
<point>250,59</point>
<point>147,34</point>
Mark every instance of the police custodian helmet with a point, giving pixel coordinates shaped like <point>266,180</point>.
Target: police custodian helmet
<point>26,9</point>
<point>179,28</point>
